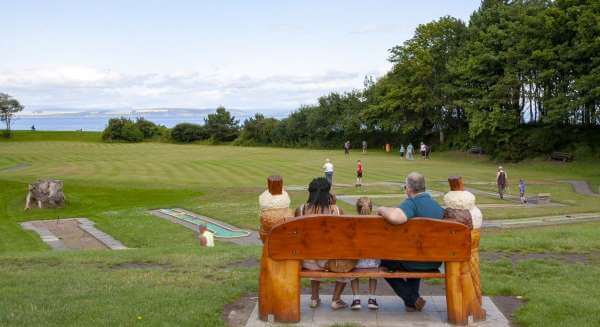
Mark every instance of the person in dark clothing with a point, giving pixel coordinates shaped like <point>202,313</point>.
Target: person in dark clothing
<point>501,181</point>
<point>418,204</point>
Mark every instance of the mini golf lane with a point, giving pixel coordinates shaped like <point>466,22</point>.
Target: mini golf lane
<point>221,230</point>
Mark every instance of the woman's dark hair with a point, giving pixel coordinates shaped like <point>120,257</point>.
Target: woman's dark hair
<point>318,193</point>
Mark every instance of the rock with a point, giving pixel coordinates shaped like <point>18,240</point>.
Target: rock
<point>45,194</point>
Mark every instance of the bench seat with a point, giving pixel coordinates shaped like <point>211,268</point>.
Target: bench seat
<point>370,273</point>
<point>322,237</point>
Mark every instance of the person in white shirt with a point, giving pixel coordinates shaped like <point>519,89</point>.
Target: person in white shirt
<point>328,168</point>
<point>423,151</point>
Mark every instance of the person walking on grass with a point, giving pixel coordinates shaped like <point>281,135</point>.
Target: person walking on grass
<point>409,151</point>
<point>402,150</point>
<point>501,181</point>
<point>522,191</point>
<point>417,204</point>
<point>328,169</point>
<point>347,148</point>
<point>423,150</point>
<point>364,146</point>
<point>359,173</point>
<point>364,206</point>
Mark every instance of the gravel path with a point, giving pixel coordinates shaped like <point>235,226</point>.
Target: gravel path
<point>581,187</point>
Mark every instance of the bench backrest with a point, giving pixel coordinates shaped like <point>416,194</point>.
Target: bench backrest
<point>357,237</point>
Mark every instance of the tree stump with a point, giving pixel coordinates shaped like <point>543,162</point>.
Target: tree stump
<point>45,194</point>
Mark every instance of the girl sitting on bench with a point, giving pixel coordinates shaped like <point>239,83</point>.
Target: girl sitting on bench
<point>364,206</point>
<point>320,201</point>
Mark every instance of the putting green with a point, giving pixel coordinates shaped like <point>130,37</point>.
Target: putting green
<point>220,230</point>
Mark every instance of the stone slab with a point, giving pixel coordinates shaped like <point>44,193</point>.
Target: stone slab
<point>85,224</point>
<point>391,313</point>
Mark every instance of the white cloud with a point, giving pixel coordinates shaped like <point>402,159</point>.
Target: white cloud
<point>86,87</point>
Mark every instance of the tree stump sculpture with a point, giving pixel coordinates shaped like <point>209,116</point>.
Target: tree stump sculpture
<point>275,208</point>
<point>45,194</point>
<point>460,206</point>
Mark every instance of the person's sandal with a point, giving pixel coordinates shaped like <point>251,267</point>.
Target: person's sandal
<point>355,305</point>
<point>314,303</point>
<point>338,304</point>
<point>373,304</point>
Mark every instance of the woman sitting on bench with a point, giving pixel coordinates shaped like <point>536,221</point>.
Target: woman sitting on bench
<point>320,201</point>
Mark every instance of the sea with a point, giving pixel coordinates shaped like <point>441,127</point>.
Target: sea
<point>97,121</point>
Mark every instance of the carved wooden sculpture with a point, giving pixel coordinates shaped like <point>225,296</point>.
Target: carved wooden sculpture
<point>273,292</point>
<point>458,200</point>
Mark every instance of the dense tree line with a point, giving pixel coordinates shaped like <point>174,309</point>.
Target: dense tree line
<point>522,78</point>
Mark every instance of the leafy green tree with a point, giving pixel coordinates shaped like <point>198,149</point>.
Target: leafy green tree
<point>122,129</point>
<point>9,106</point>
<point>258,130</point>
<point>416,97</point>
<point>222,126</point>
<point>187,133</point>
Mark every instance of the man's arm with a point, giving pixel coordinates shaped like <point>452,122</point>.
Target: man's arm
<point>393,215</point>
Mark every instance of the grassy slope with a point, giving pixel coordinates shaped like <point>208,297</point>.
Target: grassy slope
<point>114,184</point>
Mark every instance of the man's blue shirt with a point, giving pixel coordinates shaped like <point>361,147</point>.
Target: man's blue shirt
<point>421,205</point>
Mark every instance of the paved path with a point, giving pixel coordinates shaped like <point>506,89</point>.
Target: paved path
<point>581,187</point>
<point>391,313</point>
<point>542,221</point>
<point>14,168</point>
<point>85,224</point>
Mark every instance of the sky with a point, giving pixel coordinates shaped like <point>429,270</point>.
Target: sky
<point>86,55</point>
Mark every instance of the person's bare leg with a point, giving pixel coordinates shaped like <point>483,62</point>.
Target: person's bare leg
<point>372,303</point>
<point>314,285</point>
<point>354,284</point>
<point>372,286</point>
<point>336,299</point>
<point>337,291</point>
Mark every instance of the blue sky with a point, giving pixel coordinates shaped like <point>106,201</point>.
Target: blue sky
<point>201,54</point>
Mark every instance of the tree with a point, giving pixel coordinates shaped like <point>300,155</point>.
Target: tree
<point>221,126</point>
<point>9,106</point>
<point>258,129</point>
<point>417,98</point>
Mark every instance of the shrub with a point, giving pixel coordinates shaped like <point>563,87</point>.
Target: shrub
<point>122,129</point>
<point>186,133</point>
<point>148,128</point>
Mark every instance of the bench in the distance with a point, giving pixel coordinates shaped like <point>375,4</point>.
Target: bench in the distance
<point>357,237</point>
<point>561,156</point>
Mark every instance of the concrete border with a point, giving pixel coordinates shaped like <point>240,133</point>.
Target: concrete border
<point>391,313</point>
<point>542,221</point>
<point>85,224</point>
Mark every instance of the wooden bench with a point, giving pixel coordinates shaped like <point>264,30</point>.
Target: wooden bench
<point>476,150</point>
<point>356,237</point>
<point>561,156</point>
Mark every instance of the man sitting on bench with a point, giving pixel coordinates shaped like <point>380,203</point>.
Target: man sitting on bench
<point>417,204</point>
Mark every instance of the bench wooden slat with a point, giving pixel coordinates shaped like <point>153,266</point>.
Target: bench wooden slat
<point>357,237</point>
<point>373,273</point>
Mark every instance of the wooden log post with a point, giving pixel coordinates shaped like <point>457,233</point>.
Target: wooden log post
<point>279,281</point>
<point>454,294</point>
<point>469,271</point>
<point>279,289</point>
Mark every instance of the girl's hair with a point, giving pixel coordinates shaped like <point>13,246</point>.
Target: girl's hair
<point>318,193</point>
<point>364,206</point>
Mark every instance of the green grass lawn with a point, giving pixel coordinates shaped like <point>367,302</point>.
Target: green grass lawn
<point>115,184</point>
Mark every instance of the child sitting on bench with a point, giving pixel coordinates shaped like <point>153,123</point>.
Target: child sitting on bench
<point>364,206</point>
